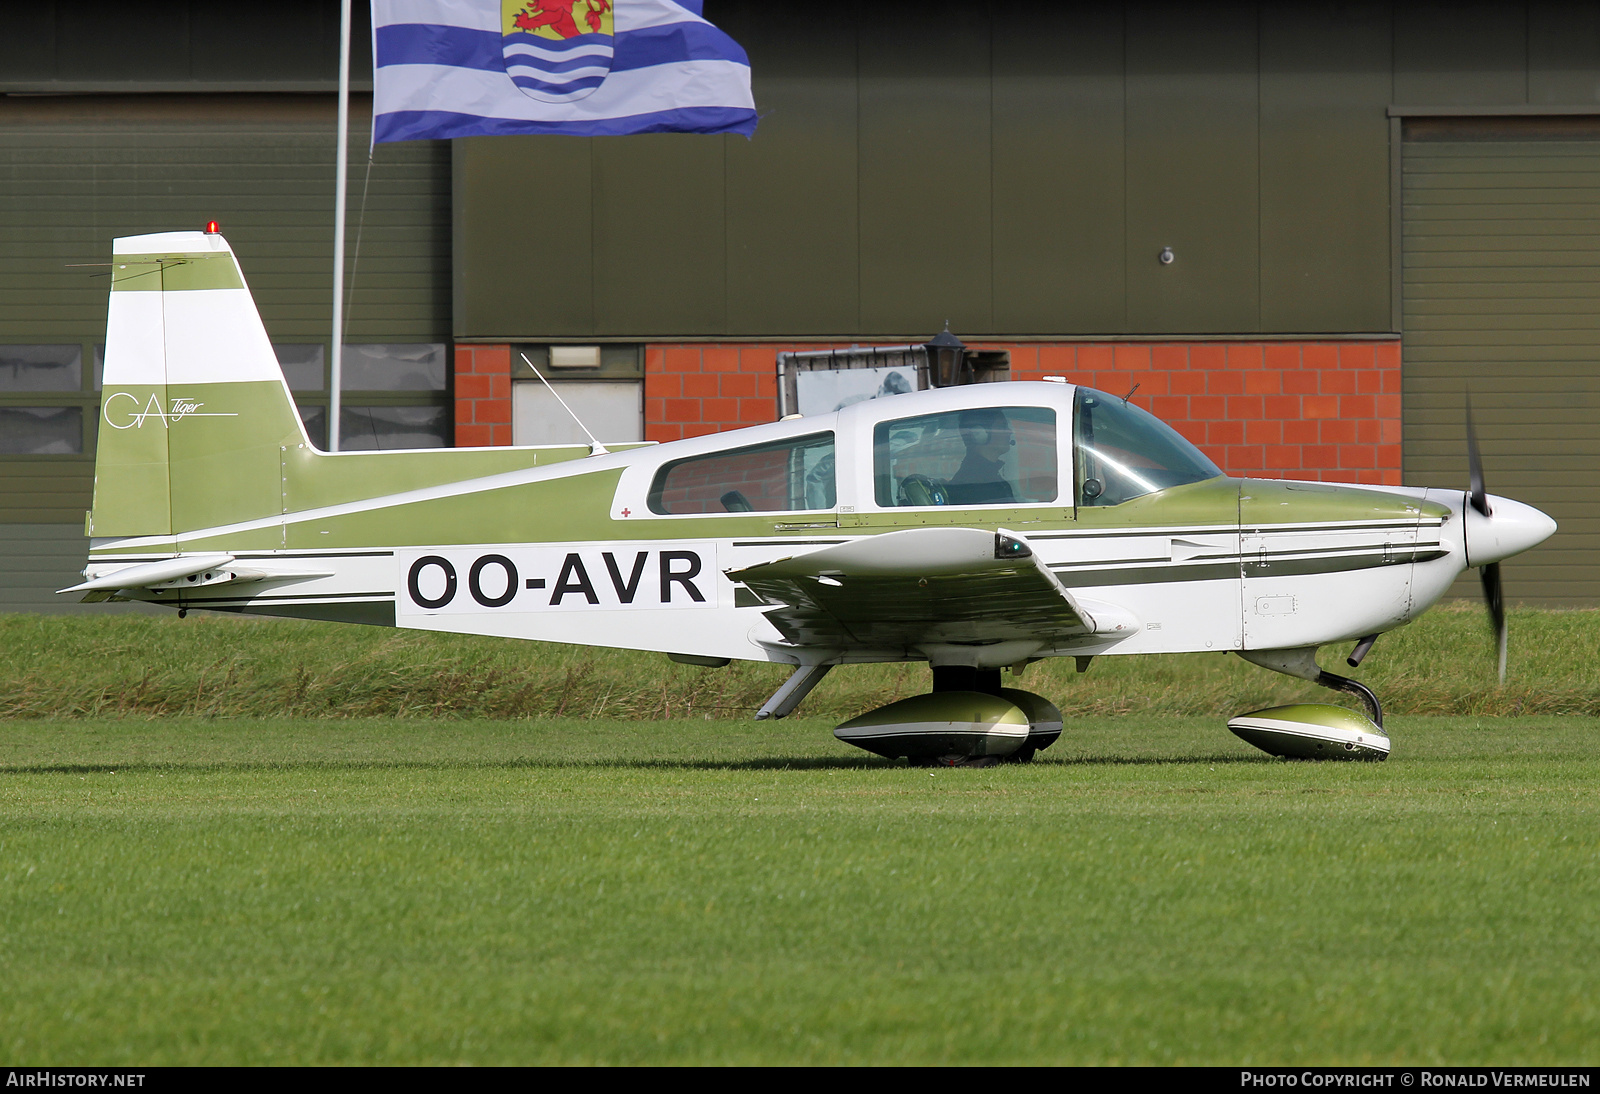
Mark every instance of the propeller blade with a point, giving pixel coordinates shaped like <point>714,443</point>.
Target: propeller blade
<point>1493,592</point>
<point>1478,495</point>
<point>1494,597</point>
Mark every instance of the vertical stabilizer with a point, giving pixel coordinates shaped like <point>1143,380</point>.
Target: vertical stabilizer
<point>196,413</point>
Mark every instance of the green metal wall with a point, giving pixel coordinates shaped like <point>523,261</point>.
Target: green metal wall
<point>61,46</point>
<point>1015,168</point>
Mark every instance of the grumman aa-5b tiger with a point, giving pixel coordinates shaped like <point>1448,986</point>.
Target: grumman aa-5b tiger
<point>976,528</point>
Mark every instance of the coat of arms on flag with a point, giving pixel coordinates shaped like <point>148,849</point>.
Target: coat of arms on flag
<point>549,55</point>
<point>483,68</point>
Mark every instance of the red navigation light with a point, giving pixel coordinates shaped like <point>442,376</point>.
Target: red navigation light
<point>211,228</point>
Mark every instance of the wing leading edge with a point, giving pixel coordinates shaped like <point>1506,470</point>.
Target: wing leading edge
<point>915,587</point>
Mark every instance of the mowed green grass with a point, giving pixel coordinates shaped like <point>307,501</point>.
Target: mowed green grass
<point>252,891</point>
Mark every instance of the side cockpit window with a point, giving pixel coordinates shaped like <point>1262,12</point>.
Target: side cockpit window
<point>783,476</point>
<point>978,456</point>
<point>1123,452</point>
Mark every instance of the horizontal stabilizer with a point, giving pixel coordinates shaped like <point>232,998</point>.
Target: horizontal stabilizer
<point>187,570</point>
<point>146,574</point>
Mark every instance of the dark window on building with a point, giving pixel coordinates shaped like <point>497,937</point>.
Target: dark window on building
<point>394,394</point>
<point>43,399</point>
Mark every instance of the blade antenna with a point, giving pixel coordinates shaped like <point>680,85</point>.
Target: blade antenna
<point>595,447</point>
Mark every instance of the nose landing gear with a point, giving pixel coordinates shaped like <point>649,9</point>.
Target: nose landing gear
<point>1313,731</point>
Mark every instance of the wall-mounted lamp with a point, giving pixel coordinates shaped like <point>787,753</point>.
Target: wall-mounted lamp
<point>946,356</point>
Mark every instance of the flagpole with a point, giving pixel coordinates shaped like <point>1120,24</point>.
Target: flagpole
<point>341,173</point>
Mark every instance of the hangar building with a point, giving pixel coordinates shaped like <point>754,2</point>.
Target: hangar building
<point>1305,231</point>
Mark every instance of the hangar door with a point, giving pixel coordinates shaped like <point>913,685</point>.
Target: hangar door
<point>1501,254</point>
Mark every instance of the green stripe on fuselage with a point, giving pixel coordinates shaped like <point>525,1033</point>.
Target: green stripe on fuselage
<point>1290,564</point>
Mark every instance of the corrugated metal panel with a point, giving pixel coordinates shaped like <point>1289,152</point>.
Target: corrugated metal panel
<point>44,489</point>
<point>39,559</point>
<point>61,46</point>
<point>1502,295</point>
<point>75,172</point>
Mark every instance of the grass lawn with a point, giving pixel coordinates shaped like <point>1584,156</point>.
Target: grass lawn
<point>218,666</point>
<point>345,890</point>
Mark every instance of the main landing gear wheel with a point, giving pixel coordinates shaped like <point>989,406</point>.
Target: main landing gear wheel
<point>946,727</point>
<point>958,728</point>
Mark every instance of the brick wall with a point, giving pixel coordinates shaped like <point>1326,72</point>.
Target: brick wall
<point>1307,410</point>
<point>692,390</point>
<point>483,396</point>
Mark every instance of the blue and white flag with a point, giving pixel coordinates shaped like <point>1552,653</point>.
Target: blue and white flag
<point>589,68</point>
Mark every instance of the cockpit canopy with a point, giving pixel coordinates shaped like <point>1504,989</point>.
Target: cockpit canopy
<point>994,446</point>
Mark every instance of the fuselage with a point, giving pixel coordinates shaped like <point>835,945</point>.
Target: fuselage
<point>632,548</point>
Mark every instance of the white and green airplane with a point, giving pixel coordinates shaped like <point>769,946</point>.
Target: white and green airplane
<point>975,528</point>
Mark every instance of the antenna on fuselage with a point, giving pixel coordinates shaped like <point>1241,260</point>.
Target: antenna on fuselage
<point>595,447</point>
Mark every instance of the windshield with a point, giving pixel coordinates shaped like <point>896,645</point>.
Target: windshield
<point>1123,452</point>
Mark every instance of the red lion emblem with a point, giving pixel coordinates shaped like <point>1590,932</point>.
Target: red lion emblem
<point>557,15</point>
